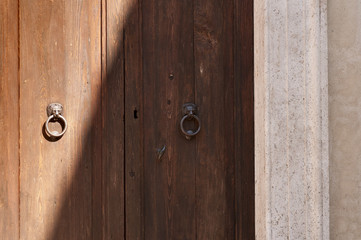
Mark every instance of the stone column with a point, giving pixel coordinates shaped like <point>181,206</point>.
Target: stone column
<point>291,112</point>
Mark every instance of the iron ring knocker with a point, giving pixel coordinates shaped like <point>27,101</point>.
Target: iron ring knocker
<point>189,109</point>
<point>54,111</point>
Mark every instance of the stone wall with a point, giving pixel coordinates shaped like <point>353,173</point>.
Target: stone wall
<point>291,120</point>
<point>344,38</point>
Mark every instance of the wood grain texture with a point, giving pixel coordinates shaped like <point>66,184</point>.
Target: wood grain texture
<point>113,121</point>
<point>133,96</point>
<point>9,121</point>
<point>60,62</point>
<point>123,70</point>
<point>213,41</point>
<point>169,182</point>
<point>244,120</point>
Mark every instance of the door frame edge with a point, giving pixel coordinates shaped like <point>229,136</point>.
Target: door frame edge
<point>291,142</point>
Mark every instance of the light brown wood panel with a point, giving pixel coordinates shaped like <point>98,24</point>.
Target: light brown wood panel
<point>9,121</point>
<point>60,61</point>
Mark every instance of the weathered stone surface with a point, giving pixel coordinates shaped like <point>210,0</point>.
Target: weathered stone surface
<point>291,94</point>
<point>344,35</point>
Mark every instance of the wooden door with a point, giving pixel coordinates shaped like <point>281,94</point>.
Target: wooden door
<point>123,70</point>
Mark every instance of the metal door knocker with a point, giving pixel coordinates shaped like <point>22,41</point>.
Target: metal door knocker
<point>54,111</point>
<point>190,111</point>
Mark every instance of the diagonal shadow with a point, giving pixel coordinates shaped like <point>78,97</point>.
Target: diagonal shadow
<point>93,206</point>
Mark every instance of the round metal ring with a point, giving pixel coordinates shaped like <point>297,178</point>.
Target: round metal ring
<point>190,133</point>
<point>56,134</point>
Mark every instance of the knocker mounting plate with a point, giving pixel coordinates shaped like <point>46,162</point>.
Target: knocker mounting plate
<point>189,109</point>
<point>54,109</point>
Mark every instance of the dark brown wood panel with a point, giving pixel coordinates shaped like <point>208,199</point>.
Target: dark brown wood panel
<point>169,182</point>
<point>213,33</point>
<point>133,121</point>
<point>60,61</point>
<point>113,119</point>
<point>9,121</point>
<point>244,119</point>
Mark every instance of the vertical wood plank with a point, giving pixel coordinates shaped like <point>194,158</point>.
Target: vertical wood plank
<point>9,121</point>
<point>104,77</point>
<point>60,62</point>
<point>113,120</point>
<point>213,32</point>
<point>169,181</point>
<point>134,208</point>
<point>244,120</point>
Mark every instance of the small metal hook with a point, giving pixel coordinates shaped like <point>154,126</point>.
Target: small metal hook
<point>160,151</point>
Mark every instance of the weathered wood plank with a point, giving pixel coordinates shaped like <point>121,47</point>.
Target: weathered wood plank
<point>133,121</point>
<point>213,33</point>
<point>169,182</point>
<point>60,62</point>
<point>9,121</point>
<point>244,120</point>
<point>113,120</point>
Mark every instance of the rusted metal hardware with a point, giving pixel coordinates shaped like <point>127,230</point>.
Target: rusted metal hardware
<point>161,151</point>
<point>54,111</point>
<point>190,110</point>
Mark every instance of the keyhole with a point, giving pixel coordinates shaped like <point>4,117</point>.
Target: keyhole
<point>135,113</point>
